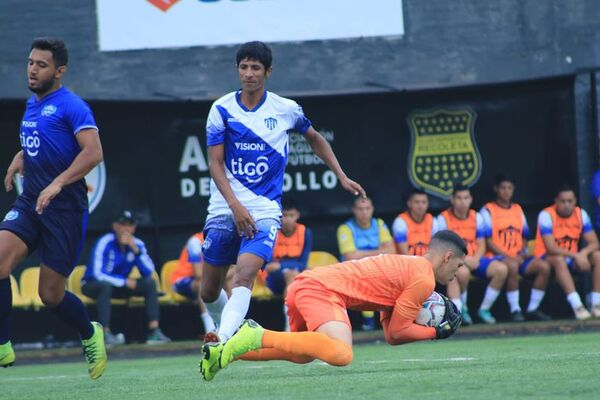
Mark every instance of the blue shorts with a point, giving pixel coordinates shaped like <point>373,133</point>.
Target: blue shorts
<point>57,234</point>
<point>183,287</point>
<point>222,244</point>
<point>569,260</point>
<point>276,282</point>
<point>484,263</point>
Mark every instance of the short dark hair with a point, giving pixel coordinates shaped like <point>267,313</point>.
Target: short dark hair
<point>415,192</point>
<point>499,179</point>
<point>358,199</point>
<point>289,203</point>
<point>257,51</point>
<point>459,188</point>
<point>56,46</point>
<point>449,240</point>
<point>565,188</point>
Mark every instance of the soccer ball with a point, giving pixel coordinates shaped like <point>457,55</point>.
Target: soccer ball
<point>433,311</point>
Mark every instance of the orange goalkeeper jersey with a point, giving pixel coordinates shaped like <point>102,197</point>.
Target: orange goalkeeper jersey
<point>396,285</point>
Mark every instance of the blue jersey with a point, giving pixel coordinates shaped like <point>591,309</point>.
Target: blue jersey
<point>49,145</point>
<point>109,264</point>
<point>256,149</point>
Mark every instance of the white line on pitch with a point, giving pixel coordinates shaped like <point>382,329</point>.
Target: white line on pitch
<point>41,378</point>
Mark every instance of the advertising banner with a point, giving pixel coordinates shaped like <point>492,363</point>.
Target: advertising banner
<point>131,25</point>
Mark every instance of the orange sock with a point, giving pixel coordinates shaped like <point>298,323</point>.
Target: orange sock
<point>274,354</point>
<point>311,344</point>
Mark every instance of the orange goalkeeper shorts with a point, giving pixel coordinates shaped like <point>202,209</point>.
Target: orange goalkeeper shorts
<point>310,305</point>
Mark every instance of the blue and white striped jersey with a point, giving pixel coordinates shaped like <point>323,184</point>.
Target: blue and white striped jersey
<point>256,150</point>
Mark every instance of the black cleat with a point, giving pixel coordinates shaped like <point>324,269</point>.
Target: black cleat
<point>517,316</point>
<point>537,315</point>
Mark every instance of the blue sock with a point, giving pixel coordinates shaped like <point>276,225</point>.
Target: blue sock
<point>72,311</point>
<point>5,307</point>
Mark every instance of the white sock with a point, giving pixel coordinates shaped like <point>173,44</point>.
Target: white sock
<point>489,298</point>
<point>234,312</point>
<point>463,298</point>
<point>209,324</point>
<point>536,298</point>
<point>458,303</point>
<point>595,298</point>
<point>574,300</point>
<point>513,300</point>
<point>215,309</point>
<point>285,318</point>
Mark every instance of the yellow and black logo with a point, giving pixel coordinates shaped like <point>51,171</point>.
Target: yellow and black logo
<point>443,152</point>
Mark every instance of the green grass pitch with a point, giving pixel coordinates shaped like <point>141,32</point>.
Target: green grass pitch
<point>544,367</point>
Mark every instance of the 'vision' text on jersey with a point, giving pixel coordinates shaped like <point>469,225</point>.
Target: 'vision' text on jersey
<point>49,145</point>
<point>256,150</point>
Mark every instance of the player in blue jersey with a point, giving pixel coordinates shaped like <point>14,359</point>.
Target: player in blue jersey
<point>59,146</point>
<point>247,135</point>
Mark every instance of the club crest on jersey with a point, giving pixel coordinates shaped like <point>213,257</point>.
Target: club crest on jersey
<point>48,110</point>
<point>271,123</point>
<point>443,151</point>
<point>11,215</point>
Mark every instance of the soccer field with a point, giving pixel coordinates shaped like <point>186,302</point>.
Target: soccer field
<point>557,366</point>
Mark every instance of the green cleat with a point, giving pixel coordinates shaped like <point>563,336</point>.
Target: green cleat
<point>466,317</point>
<point>210,363</point>
<point>248,338</point>
<point>7,355</point>
<point>486,316</point>
<point>95,352</point>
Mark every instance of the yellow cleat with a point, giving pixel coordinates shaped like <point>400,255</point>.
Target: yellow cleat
<point>7,355</point>
<point>210,363</point>
<point>95,352</point>
<point>247,338</point>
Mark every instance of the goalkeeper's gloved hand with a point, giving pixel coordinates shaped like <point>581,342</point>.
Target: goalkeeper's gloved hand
<point>450,323</point>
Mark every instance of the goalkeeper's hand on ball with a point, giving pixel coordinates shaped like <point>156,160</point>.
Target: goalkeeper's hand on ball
<point>450,323</point>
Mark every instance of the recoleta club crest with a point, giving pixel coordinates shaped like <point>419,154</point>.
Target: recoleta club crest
<point>443,152</point>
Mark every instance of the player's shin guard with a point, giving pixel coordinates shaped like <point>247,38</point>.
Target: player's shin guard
<point>72,311</point>
<point>5,308</point>
<point>234,312</point>
<point>215,309</point>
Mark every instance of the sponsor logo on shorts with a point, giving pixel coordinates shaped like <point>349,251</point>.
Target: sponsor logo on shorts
<point>48,110</point>
<point>11,215</point>
<point>206,244</point>
<point>268,243</point>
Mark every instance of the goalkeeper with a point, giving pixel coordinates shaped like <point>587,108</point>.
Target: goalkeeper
<point>317,301</point>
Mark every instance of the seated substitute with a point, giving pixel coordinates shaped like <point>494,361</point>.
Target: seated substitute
<point>470,225</point>
<point>290,254</point>
<point>394,284</point>
<point>187,277</point>
<point>506,239</point>
<point>364,236</point>
<point>107,276</point>
<point>414,228</point>
<point>560,228</point>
